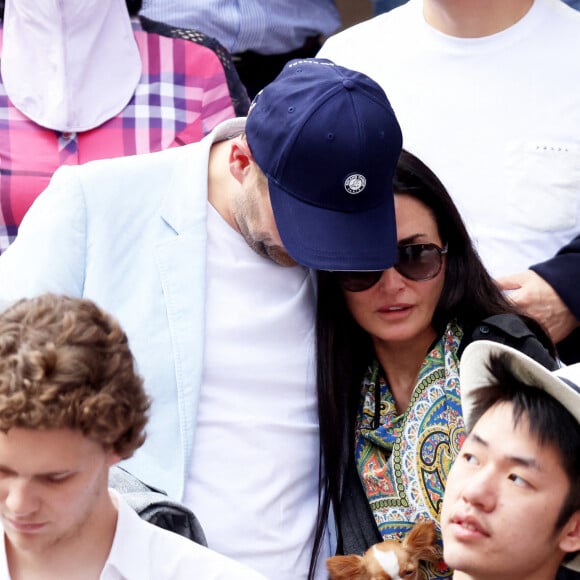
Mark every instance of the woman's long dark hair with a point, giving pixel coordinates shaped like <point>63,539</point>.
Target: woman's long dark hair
<point>344,349</point>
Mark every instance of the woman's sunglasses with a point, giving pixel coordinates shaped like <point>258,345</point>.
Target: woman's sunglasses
<point>417,262</point>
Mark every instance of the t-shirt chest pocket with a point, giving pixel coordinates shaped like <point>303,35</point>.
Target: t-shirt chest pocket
<point>543,184</point>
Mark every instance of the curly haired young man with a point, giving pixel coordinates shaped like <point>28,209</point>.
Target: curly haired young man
<point>71,406</point>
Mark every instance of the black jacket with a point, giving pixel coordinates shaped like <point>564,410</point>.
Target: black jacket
<point>561,272</point>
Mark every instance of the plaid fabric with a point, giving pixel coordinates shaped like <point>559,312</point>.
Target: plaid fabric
<point>238,91</point>
<point>182,95</point>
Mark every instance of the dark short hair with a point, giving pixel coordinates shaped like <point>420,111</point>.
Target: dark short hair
<point>66,364</point>
<point>548,420</point>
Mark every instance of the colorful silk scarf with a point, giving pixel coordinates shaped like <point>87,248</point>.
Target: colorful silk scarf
<point>403,460</point>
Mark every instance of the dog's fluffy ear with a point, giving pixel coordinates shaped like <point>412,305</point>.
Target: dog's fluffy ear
<point>421,541</point>
<point>344,567</point>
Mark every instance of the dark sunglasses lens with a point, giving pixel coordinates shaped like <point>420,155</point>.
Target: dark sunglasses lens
<point>358,281</point>
<point>419,261</point>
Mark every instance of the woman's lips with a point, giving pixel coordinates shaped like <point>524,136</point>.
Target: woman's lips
<point>394,309</point>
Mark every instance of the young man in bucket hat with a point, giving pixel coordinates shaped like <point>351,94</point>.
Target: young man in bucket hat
<point>184,247</point>
<point>512,502</point>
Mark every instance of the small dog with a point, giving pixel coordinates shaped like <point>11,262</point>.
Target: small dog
<point>389,560</point>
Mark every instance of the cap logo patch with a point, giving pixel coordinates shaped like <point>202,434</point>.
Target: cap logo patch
<point>355,183</point>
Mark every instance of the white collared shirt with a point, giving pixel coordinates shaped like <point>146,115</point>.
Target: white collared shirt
<point>142,551</point>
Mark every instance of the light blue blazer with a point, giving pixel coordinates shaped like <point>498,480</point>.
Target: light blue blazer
<point>130,234</point>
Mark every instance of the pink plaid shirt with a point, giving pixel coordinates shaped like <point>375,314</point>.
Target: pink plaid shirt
<point>182,95</point>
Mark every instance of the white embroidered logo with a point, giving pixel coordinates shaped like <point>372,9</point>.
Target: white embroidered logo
<point>355,183</point>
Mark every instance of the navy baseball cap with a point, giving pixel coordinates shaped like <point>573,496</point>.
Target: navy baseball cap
<point>328,141</point>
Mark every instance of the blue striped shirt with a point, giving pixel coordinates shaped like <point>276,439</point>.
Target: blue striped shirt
<point>264,26</point>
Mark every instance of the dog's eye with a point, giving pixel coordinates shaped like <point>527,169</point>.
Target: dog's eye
<point>408,573</point>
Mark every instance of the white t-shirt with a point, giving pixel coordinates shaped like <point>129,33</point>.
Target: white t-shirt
<point>142,551</point>
<point>497,119</point>
<point>253,482</point>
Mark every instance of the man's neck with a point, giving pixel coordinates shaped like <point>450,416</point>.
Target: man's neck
<point>474,18</point>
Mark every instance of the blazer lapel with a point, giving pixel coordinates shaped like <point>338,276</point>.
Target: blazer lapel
<point>181,258</point>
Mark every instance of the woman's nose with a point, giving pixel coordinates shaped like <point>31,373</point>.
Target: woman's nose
<point>391,280</point>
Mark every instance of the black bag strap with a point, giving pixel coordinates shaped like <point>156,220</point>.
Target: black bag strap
<point>155,506</point>
<point>511,330</point>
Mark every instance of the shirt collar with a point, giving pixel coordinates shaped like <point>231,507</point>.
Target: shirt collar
<point>127,558</point>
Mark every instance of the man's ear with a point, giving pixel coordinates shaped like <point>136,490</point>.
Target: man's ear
<point>240,159</point>
<point>570,534</point>
<point>113,458</point>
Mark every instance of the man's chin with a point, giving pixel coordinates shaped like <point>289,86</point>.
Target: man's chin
<point>280,256</point>
<point>277,254</point>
